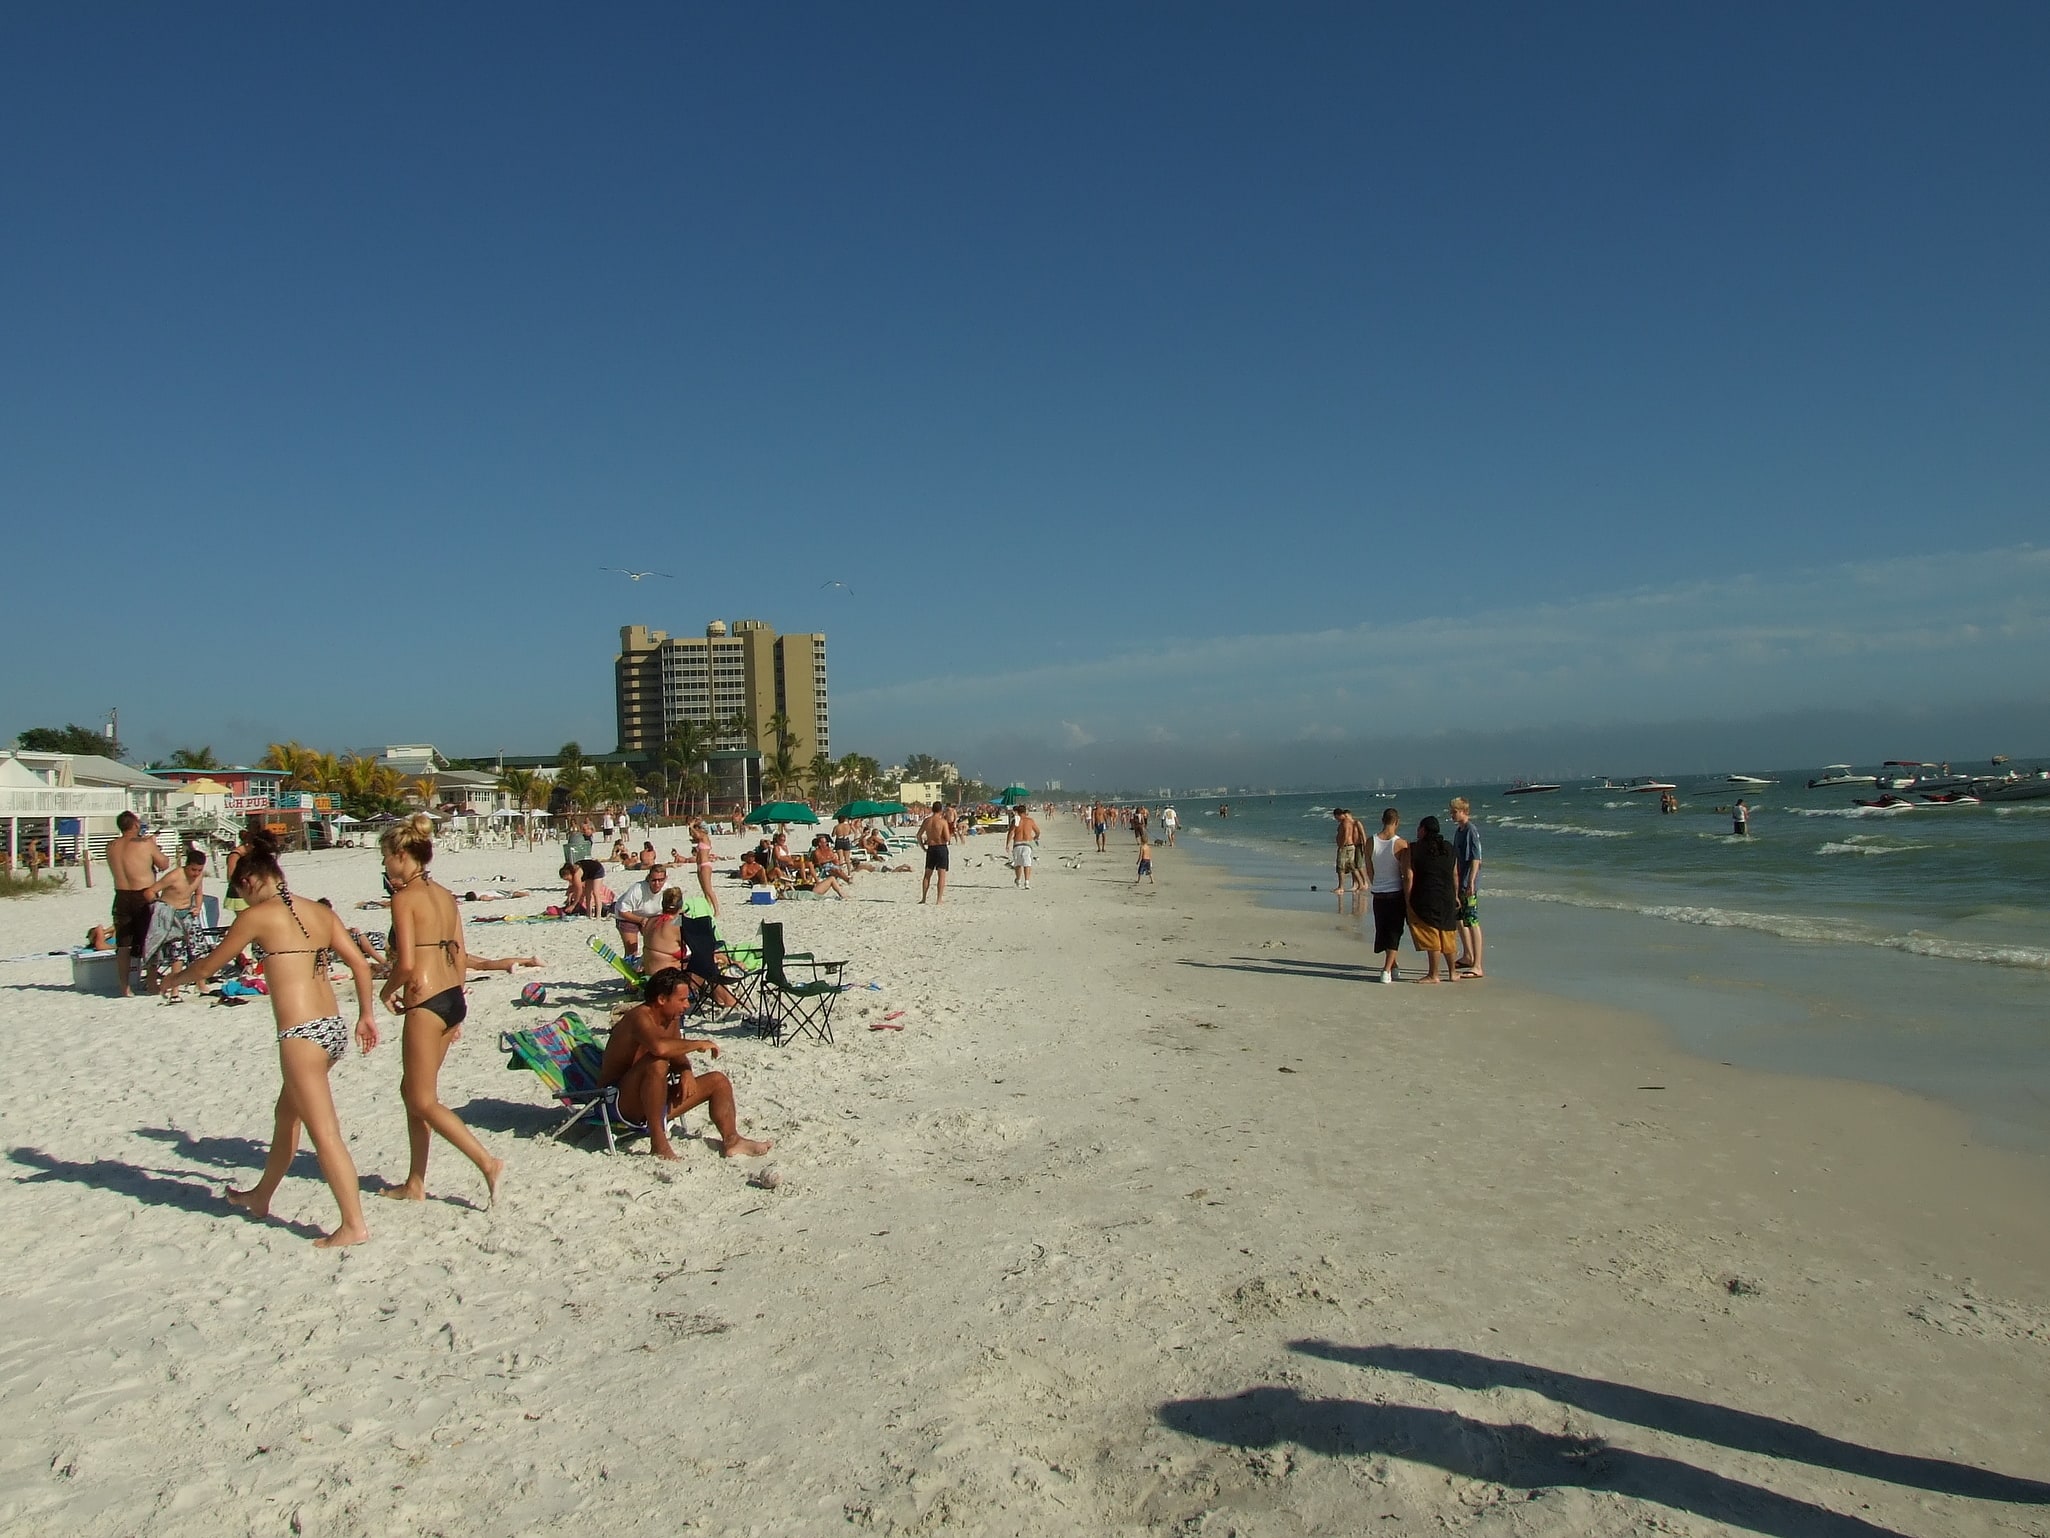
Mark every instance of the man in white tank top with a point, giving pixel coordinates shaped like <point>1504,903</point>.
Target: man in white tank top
<point>1388,890</point>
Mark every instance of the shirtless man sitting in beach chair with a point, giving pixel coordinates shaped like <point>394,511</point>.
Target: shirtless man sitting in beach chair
<point>648,1058</point>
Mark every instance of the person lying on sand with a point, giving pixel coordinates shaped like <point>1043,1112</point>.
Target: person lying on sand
<point>649,1059</point>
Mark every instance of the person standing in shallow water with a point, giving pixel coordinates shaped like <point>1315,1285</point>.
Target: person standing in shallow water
<point>428,965</point>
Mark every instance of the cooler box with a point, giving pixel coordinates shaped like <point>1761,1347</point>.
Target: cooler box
<point>761,897</point>
<point>93,972</point>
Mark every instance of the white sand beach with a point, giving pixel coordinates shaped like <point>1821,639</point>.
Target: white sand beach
<point>1156,1218</point>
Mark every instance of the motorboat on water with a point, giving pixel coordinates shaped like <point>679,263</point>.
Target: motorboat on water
<point>2016,787</point>
<point>1888,803</point>
<point>1749,779</point>
<point>1950,798</point>
<point>1840,774</point>
<point>1640,787</point>
<point>1527,788</point>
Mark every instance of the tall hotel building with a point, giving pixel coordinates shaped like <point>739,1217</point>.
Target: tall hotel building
<point>741,669</point>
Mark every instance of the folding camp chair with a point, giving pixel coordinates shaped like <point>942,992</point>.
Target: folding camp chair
<point>565,1057</point>
<point>790,1009</point>
<point>702,944</point>
<point>618,963</point>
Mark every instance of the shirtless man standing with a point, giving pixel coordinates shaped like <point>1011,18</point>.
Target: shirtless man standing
<point>135,861</point>
<point>1023,835</point>
<point>649,1059</point>
<point>1352,852</point>
<point>934,835</point>
<point>175,918</point>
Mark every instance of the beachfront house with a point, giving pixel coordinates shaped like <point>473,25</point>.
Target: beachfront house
<point>91,818</point>
<point>248,790</point>
<point>470,790</point>
<point>413,760</point>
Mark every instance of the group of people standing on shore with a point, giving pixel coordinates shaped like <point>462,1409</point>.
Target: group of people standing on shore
<point>1429,885</point>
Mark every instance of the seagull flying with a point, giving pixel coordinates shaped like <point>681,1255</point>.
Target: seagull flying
<point>836,582</point>
<point>635,576</point>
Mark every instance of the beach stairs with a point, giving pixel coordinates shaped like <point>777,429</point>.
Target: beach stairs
<point>566,1057</point>
<point>791,1009</point>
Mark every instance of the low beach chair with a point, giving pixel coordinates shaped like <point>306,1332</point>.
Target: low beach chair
<point>788,1009</point>
<point>565,1057</point>
<point>617,962</point>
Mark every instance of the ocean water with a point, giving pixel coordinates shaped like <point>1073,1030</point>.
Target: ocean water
<point>1908,948</point>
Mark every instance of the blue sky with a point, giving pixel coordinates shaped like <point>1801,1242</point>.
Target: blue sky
<point>1313,369</point>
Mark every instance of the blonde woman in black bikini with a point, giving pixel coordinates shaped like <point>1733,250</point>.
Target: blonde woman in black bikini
<point>298,940</point>
<point>428,965</point>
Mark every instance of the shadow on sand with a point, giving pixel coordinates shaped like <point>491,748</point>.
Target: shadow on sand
<point>1335,971</point>
<point>1680,1416</point>
<point>1520,1457</point>
<point>155,1188</point>
<point>1523,1457</point>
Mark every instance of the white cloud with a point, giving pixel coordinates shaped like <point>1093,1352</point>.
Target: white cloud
<point>1905,631</point>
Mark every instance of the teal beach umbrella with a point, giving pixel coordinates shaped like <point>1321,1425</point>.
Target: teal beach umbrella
<point>782,811</point>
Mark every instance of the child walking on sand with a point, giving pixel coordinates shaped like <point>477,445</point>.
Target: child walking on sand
<point>1145,861</point>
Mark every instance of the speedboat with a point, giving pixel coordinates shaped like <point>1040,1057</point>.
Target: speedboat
<point>1527,788</point>
<point>2016,788</point>
<point>1640,787</point>
<point>1888,803</point>
<point>1749,779</point>
<point>1950,798</point>
<point>1840,774</point>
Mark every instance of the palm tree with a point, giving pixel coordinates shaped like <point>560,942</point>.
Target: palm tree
<point>780,729</point>
<point>524,786</point>
<point>822,772</point>
<point>573,777</point>
<point>737,730</point>
<point>780,775</point>
<point>696,784</point>
<point>422,790</point>
<point>195,758</point>
<point>686,750</point>
<point>612,785</point>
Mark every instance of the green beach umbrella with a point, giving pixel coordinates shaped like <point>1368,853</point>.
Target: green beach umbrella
<point>781,811</point>
<point>1013,794</point>
<point>870,809</point>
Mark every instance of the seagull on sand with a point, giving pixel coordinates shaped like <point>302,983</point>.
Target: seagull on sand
<point>635,576</point>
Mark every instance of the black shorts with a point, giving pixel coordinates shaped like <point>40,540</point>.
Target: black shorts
<point>936,857</point>
<point>131,919</point>
<point>1388,920</point>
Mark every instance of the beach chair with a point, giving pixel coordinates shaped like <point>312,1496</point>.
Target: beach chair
<point>565,1057</point>
<point>618,963</point>
<point>790,1009</point>
<point>702,944</point>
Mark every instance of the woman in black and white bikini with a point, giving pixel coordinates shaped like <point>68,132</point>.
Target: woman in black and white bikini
<point>299,939</point>
<point>428,965</point>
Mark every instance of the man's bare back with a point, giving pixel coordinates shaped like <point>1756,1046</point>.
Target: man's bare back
<point>135,859</point>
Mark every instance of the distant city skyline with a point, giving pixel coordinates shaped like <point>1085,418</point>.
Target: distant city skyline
<point>1115,384</point>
